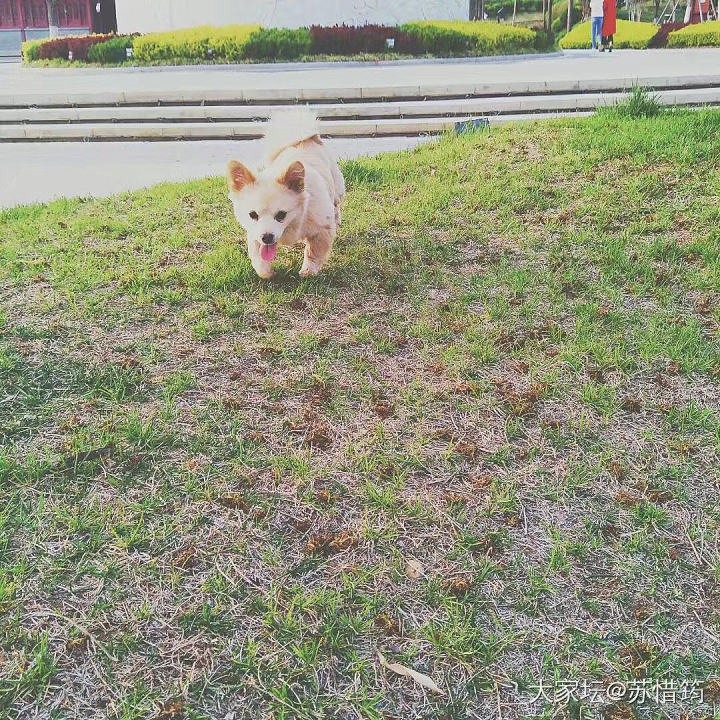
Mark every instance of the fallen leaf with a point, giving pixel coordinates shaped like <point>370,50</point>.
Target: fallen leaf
<point>185,557</point>
<point>482,481</point>
<point>171,710</point>
<point>414,569</point>
<point>420,678</point>
<point>389,624</point>
<point>453,498</point>
<point>330,542</point>
<point>457,586</point>
<point>234,501</point>
<point>324,496</point>
<point>385,410</point>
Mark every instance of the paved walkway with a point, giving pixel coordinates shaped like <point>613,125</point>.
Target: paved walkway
<point>39,172</point>
<point>581,65</point>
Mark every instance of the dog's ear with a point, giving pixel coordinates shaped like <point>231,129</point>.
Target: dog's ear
<point>294,177</point>
<point>238,176</point>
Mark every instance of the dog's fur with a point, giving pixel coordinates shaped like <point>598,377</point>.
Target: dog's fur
<point>293,198</point>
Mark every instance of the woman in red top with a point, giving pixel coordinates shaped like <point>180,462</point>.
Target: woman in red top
<point>609,24</point>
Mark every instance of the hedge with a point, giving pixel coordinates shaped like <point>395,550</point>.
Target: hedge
<point>349,40</point>
<point>236,43</point>
<point>629,34</point>
<point>111,51</point>
<point>199,43</point>
<point>60,47</point>
<point>475,38</point>
<point>707,33</point>
<point>278,44</point>
<point>31,49</point>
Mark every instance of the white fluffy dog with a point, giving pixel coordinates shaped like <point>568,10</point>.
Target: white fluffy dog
<point>293,198</point>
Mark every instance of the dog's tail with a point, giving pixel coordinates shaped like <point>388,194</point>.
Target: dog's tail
<point>289,127</point>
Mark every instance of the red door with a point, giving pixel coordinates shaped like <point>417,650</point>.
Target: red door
<point>9,15</point>
<point>69,13</point>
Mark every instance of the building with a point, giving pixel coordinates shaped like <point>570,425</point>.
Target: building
<point>22,20</point>
<point>144,16</point>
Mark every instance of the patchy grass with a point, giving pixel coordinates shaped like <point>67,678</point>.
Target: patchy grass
<point>485,442</point>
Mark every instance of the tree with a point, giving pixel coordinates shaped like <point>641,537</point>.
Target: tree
<point>569,17</point>
<point>52,16</point>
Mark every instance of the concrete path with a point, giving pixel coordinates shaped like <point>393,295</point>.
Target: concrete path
<point>39,172</point>
<point>260,81</point>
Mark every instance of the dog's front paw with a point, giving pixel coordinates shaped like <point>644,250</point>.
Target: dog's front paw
<point>265,273</point>
<point>309,270</point>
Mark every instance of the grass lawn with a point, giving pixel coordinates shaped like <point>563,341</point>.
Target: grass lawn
<point>485,442</point>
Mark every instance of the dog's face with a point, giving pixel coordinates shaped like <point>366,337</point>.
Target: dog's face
<point>266,206</point>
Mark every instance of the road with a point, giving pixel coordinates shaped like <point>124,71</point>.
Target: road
<point>581,65</point>
<point>39,172</point>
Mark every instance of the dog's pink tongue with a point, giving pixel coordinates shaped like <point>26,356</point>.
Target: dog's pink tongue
<point>267,252</point>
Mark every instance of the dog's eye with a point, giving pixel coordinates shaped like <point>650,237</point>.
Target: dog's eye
<point>254,215</point>
<point>281,216</point>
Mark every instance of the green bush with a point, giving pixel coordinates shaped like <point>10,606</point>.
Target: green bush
<point>31,50</point>
<point>111,51</point>
<point>437,40</point>
<point>200,43</point>
<point>707,33</point>
<point>629,35</point>
<point>452,37</point>
<point>278,44</point>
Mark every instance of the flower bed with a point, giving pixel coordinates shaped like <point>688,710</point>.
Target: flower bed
<point>704,34</point>
<point>243,43</point>
<point>636,35</point>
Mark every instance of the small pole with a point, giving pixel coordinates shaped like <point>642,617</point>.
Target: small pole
<point>514,10</point>
<point>569,17</point>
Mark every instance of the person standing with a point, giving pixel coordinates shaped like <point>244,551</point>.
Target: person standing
<point>596,23</point>
<point>609,24</point>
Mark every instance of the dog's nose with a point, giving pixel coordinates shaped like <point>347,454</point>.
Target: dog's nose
<point>268,239</point>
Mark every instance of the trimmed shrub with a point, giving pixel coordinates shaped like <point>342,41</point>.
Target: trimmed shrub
<point>702,34</point>
<point>449,37</point>
<point>350,40</point>
<point>59,48</point>
<point>278,44</point>
<point>54,49</point>
<point>31,50</point>
<point>438,40</point>
<point>200,43</point>
<point>111,51</point>
<point>629,34</point>
<point>228,43</point>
